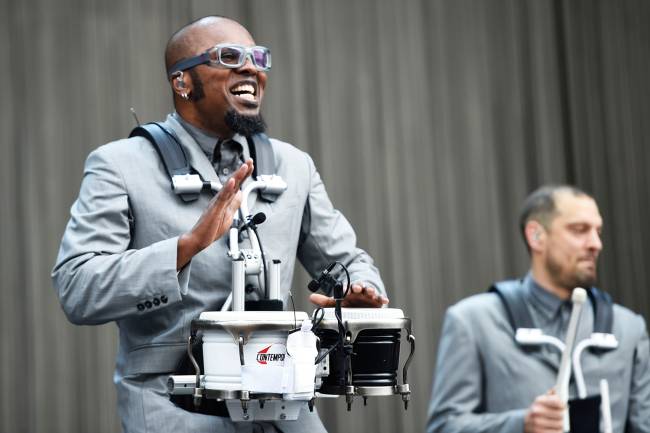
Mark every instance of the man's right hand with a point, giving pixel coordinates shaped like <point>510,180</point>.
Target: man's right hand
<point>545,415</point>
<point>215,221</point>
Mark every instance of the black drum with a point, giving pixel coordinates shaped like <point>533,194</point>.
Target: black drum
<point>375,335</point>
<point>375,359</point>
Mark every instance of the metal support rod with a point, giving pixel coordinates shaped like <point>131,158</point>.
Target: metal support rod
<point>238,281</point>
<point>274,279</point>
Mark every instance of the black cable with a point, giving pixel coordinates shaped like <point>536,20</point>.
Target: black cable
<point>316,321</point>
<point>295,321</point>
<point>320,358</point>
<point>347,275</point>
<point>339,295</point>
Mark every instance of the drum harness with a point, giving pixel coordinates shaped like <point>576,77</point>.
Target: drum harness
<point>188,185</point>
<point>512,295</point>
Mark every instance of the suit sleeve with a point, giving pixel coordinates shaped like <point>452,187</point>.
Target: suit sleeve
<point>98,276</point>
<point>456,401</point>
<point>327,236</point>
<point>638,420</point>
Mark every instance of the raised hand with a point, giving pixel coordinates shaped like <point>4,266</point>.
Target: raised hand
<point>215,221</point>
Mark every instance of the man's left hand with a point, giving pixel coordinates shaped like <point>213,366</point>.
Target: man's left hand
<point>359,296</point>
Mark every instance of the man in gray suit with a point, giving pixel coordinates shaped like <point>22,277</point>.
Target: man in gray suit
<point>485,382</point>
<point>135,253</point>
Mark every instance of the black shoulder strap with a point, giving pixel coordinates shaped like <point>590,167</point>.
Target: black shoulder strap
<point>603,310</point>
<point>512,296</point>
<point>261,151</point>
<point>169,148</point>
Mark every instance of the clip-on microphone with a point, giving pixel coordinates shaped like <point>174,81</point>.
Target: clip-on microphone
<point>325,283</point>
<point>329,286</point>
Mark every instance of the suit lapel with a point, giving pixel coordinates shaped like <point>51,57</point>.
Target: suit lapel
<point>549,356</point>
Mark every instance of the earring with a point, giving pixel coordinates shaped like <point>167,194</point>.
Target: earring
<point>185,96</point>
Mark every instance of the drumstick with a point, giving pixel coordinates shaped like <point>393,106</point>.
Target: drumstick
<point>578,298</point>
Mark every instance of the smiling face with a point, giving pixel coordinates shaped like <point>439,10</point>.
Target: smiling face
<point>238,90</point>
<point>567,251</point>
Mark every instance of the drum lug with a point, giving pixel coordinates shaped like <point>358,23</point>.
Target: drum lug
<point>245,398</point>
<point>197,396</point>
<point>405,391</point>
<point>349,396</point>
<point>198,392</point>
<point>241,350</point>
<point>411,339</point>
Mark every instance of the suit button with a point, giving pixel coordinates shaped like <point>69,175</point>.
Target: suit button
<point>156,301</point>
<point>148,304</point>
<point>140,307</point>
<point>163,299</point>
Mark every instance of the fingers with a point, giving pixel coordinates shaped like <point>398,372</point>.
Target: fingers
<point>364,296</point>
<point>321,300</point>
<point>551,401</point>
<point>359,296</point>
<point>546,414</point>
<point>234,182</point>
<point>215,221</point>
<point>244,170</point>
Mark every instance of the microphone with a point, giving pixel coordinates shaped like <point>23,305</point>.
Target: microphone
<point>325,281</point>
<point>257,219</point>
<point>578,298</point>
<point>253,221</point>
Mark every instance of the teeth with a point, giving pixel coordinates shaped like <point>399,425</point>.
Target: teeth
<point>244,89</point>
<point>247,96</point>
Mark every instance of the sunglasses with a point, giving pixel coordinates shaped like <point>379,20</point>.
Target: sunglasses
<point>227,55</point>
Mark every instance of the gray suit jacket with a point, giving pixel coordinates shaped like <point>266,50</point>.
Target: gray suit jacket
<point>117,260</point>
<point>484,382</point>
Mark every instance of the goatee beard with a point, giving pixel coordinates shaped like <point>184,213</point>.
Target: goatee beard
<point>244,125</point>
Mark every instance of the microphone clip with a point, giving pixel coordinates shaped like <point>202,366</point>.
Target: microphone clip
<point>325,283</point>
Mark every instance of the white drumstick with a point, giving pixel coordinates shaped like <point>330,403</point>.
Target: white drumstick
<point>578,298</point>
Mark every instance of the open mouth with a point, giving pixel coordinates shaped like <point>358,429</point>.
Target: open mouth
<point>246,91</point>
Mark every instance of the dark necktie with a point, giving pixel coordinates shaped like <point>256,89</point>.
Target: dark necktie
<point>227,158</point>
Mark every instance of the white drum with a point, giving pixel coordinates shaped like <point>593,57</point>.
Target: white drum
<point>245,350</point>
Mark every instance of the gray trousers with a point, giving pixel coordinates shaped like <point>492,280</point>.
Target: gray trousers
<point>144,407</point>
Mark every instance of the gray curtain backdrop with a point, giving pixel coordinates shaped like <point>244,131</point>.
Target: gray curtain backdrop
<point>430,121</point>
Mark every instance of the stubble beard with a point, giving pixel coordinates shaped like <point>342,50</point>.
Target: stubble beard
<point>570,278</point>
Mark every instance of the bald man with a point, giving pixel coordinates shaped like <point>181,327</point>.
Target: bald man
<point>135,253</point>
